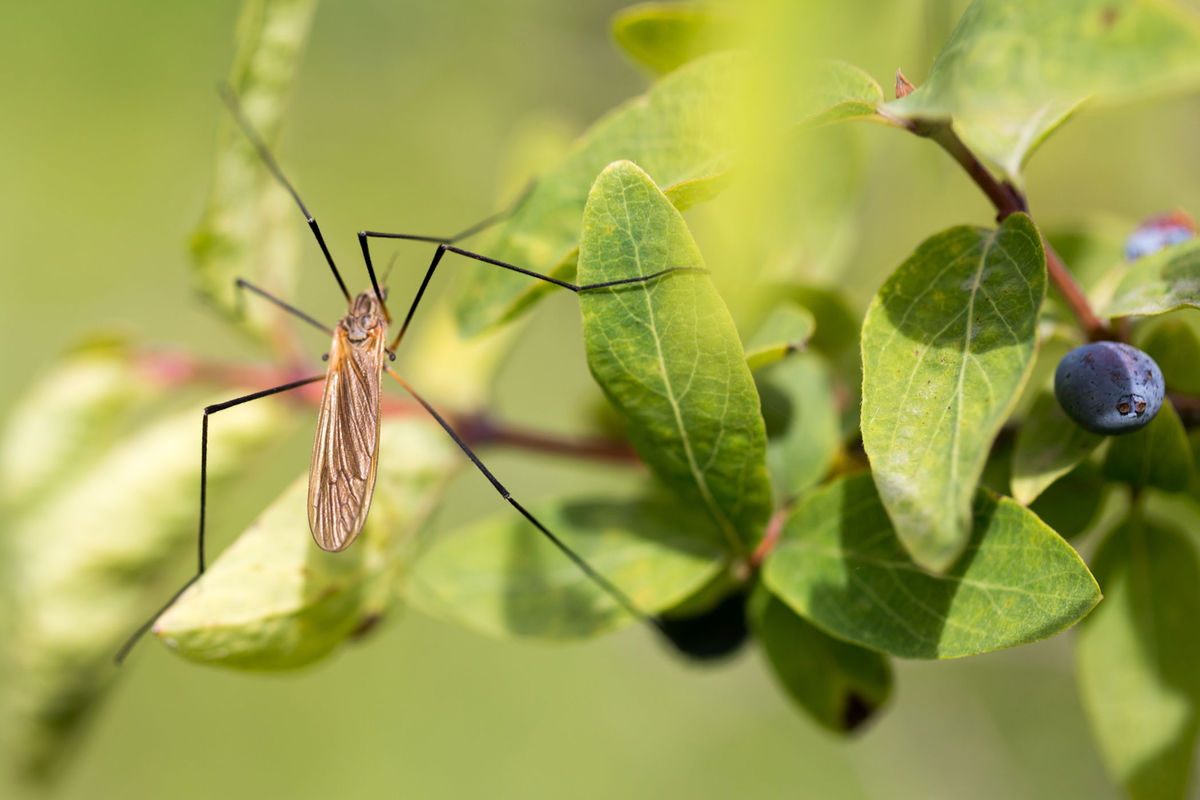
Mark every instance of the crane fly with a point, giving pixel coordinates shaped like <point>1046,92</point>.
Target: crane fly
<point>345,455</point>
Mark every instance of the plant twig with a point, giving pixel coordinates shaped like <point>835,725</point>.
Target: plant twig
<point>174,368</point>
<point>1007,200</point>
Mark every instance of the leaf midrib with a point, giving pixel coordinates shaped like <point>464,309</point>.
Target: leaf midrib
<point>697,475</point>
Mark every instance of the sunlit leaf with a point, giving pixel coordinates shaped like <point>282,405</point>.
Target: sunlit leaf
<point>785,330</point>
<point>274,600</point>
<point>668,356</point>
<point>839,565</point>
<point>947,345</point>
<point>838,684</point>
<point>1013,70</point>
<point>250,225</point>
<point>679,132</point>
<point>1157,455</point>
<point>503,578</point>
<point>1165,281</point>
<point>840,92</point>
<point>1049,445</point>
<point>1137,656</point>
<point>664,36</point>
<point>84,557</point>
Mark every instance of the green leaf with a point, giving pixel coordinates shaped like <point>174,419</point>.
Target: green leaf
<point>1137,656</point>
<point>839,565</point>
<point>501,577</point>
<point>1163,282</point>
<point>1013,70</point>
<point>1174,344</point>
<point>67,418</point>
<point>1060,506</point>
<point>664,36</point>
<point>840,92</point>
<point>679,132</point>
<point>667,355</point>
<point>250,224</point>
<point>83,559</point>
<point>1157,455</point>
<point>803,433</point>
<point>274,600</point>
<point>947,344</point>
<point>786,330</point>
<point>838,684</point>
<point>1049,445</point>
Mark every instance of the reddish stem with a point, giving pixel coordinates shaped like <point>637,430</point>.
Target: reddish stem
<point>1007,200</point>
<point>173,368</point>
<point>770,536</point>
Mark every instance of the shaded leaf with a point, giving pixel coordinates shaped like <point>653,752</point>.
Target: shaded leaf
<point>274,600</point>
<point>678,132</point>
<point>947,345</point>
<point>1137,656</point>
<point>1157,455</point>
<point>1049,445</point>
<point>803,434</point>
<point>84,557</point>
<point>250,224</point>
<point>838,684</point>
<point>664,36</point>
<point>1071,504</point>
<point>1174,344</point>
<point>1013,70</point>
<point>501,577</point>
<point>1165,281</point>
<point>839,565</point>
<point>668,356</point>
<point>785,330</point>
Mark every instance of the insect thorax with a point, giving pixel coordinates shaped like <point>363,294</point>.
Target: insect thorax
<point>365,315</point>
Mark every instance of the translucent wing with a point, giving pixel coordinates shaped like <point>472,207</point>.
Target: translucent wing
<point>345,454</point>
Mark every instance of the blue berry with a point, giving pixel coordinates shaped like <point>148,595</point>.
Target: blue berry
<point>1157,233</point>
<point>1109,387</point>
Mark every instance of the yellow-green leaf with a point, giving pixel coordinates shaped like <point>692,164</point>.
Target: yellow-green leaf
<point>1162,282</point>
<point>665,36</point>
<point>250,225</point>
<point>274,600</point>
<point>667,354</point>
<point>1013,70</point>
<point>1049,445</point>
<point>947,345</point>
<point>839,565</point>
<point>503,578</point>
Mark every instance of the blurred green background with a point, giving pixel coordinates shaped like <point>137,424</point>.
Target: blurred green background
<point>402,118</point>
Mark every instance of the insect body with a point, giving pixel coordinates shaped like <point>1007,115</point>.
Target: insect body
<point>345,456</point>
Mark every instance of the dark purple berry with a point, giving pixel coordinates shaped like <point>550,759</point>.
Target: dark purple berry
<point>1159,232</point>
<point>1109,387</point>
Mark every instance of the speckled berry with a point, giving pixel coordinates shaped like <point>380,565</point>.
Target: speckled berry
<point>1109,387</point>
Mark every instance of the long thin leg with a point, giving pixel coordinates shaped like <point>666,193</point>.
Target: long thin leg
<point>574,287</point>
<point>608,586</point>
<point>264,153</point>
<point>237,401</point>
<point>241,283</point>
<point>483,224</point>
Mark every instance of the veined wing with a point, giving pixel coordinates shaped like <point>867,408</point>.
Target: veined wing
<point>341,478</point>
